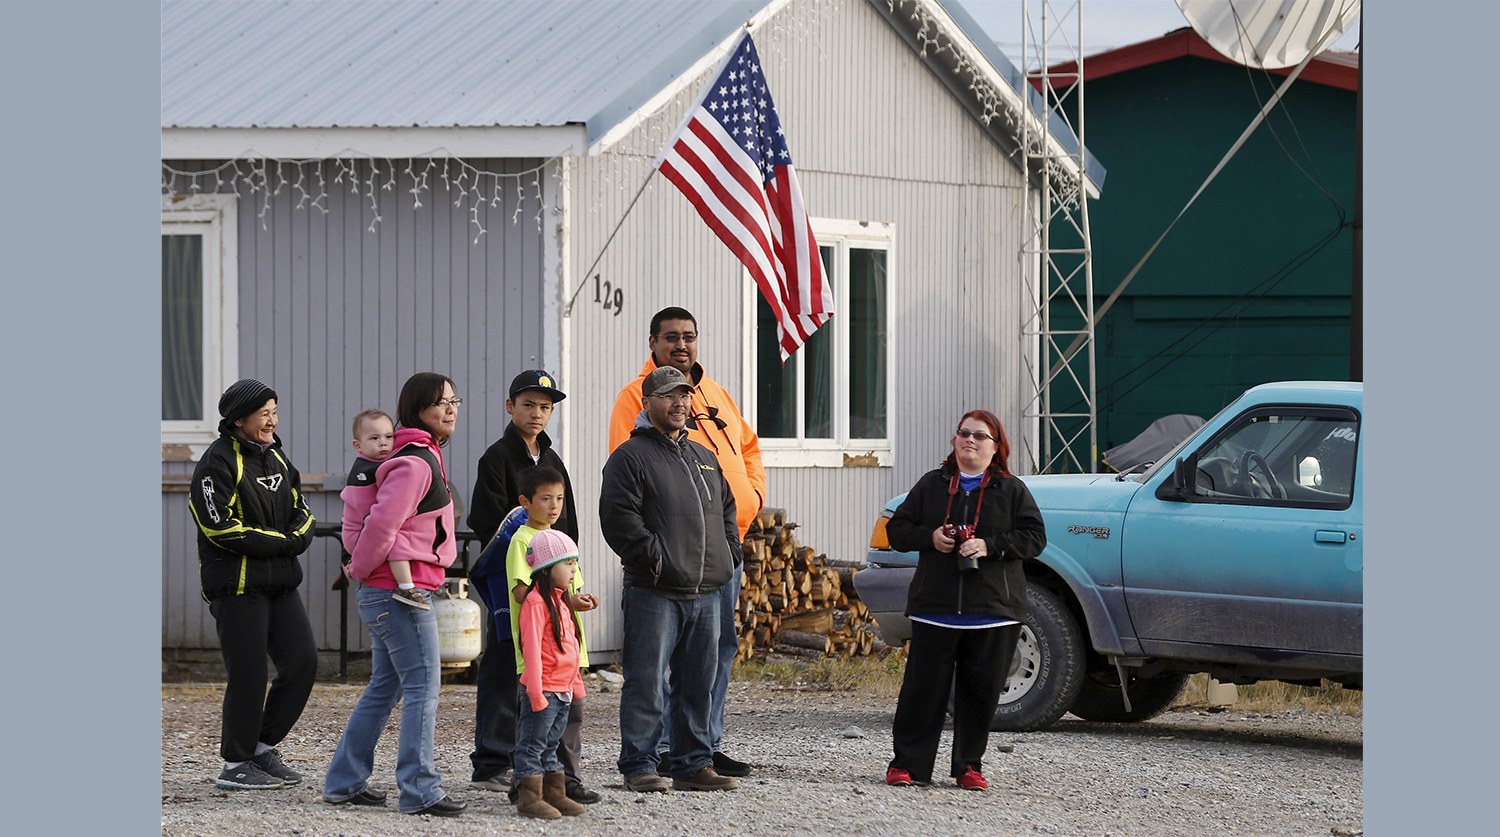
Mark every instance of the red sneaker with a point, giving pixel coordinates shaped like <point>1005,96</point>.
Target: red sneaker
<point>898,777</point>
<point>972,780</point>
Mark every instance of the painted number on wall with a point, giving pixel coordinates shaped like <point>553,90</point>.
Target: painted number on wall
<point>609,298</point>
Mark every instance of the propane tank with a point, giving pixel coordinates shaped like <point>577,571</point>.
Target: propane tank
<point>459,624</point>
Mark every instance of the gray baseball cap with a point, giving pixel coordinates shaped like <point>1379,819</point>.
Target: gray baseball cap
<point>664,379</point>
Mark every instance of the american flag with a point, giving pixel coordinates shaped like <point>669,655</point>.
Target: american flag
<point>729,157</point>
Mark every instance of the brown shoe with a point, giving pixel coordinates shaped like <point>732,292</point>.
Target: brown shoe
<point>529,802</point>
<point>705,780</point>
<point>555,793</point>
<point>646,783</point>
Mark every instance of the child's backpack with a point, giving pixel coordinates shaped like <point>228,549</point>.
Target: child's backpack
<point>488,577</point>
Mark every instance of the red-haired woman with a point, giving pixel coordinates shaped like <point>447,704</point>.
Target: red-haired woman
<point>973,523</point>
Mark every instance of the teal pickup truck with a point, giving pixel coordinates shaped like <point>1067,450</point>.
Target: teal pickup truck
<point>1240,553</point>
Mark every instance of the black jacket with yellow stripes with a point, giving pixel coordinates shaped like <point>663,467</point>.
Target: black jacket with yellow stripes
<point>252,519</point>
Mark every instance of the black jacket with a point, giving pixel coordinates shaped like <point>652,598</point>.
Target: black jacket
<point>495,489</point>
<point>252,519</point>
<point>1012,529</point>
<point>667,511</point>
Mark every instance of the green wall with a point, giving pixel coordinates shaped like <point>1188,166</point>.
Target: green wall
<point>1160,130</point>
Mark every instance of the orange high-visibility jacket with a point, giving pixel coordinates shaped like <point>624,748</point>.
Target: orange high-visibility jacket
<point>736,445</point>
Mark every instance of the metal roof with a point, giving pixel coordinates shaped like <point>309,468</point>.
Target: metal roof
<point>437,63</point>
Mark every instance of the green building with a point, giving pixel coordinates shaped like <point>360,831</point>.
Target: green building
<point>1253,283</point>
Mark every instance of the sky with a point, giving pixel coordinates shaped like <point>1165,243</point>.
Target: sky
<point>1106,23</point>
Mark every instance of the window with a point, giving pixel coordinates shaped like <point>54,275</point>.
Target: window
<point>829,405</point>
<point>1283,456</point>
<point>199,316</point>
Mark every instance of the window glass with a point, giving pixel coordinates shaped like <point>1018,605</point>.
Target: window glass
<point>867,344</point>
<point>181,327</point>
<point>1290,457</point>
<point>817,368</point>
<point>776,385</point>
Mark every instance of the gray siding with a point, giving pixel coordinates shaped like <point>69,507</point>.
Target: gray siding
<point>335,318</point>
<point>875,137</point>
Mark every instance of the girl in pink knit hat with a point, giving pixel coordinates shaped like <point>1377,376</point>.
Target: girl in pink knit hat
<point>550,681</point>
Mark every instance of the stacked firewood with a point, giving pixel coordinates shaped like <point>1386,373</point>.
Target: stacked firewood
<point>795,604</point>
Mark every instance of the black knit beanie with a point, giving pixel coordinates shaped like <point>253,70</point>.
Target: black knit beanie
<point>243,397</point>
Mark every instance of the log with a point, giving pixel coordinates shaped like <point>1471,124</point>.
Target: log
<point>769,517</point>
<point>801,639</point>
<point>805,653</point>
<point>777,602</point>
<point>812,621</point>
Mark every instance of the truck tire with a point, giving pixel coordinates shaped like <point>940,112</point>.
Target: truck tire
<point>1099,700</point>
<point>1047,670</point>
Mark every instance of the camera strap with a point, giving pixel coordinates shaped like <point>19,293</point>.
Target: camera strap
<point>984,481</point>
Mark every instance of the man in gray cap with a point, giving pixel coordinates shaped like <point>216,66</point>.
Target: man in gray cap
<point>253,522</point>
<point>666,509</point>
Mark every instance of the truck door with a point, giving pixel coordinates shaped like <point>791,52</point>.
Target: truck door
<point>1267,552</point>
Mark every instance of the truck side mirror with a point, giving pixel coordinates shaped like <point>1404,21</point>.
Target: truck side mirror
<point>1181,485</point>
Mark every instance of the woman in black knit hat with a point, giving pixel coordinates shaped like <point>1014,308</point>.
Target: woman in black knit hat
<point>253,522</point>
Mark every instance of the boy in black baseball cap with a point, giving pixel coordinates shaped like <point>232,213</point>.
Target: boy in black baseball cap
<point>533,396</point>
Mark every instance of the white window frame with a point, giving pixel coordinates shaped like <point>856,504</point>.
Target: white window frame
<point>215,217</point>
<point>840,451</point>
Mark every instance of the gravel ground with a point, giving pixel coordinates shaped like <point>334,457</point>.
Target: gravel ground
<point>1187,772</point>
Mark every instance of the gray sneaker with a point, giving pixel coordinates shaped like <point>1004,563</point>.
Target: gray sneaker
<point>500,782</point>
<point>705,780</point>
<point>411,598</point>
<point>646,783</point>
<point>247,777</point>
<point>270,762</point>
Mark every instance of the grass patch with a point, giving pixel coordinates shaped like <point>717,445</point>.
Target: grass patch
<point>1276,696</point>
<point>875,676</point>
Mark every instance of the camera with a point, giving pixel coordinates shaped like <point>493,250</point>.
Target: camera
<point>959,534</point>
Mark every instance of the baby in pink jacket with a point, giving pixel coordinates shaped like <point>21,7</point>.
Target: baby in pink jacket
<point>374,436</point>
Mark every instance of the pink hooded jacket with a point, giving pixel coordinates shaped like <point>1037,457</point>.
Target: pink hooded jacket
<point>411,518</point>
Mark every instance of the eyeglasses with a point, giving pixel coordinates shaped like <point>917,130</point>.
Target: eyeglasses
<point>445,403</point>
<point>677,398</point>
<point>981,437</point>
<point>673,337</point>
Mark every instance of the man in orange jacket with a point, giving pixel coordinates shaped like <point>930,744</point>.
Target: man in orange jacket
<point>716,424</point>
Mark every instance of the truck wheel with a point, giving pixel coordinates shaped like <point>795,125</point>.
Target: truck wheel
<point>1099,700</point>
<point>1047,670</point>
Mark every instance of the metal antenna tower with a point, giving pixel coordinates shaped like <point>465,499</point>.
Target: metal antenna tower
<point>1058,286</point>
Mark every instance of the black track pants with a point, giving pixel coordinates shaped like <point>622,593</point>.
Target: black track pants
<point>975,663</point>
<point>251,627</point>
<point>495,706</point>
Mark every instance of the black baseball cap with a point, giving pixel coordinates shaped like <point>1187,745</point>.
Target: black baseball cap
<point>539,381</point>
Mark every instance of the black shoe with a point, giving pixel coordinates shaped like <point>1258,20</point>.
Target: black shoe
<point>368,796</point>
<point>270,762</point>
<point>247,777</point>
<point>726,766</point>
<point>580,794</point>
<point>444,807</point>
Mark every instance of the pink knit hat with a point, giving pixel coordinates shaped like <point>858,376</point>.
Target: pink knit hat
<point>548,547</point>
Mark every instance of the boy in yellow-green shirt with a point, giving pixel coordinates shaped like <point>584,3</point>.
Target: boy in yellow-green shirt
<point>541,494</point>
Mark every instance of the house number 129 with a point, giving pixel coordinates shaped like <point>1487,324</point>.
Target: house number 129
<point>609,298</point>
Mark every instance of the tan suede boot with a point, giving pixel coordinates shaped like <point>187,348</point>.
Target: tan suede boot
<point>529,802</point>
<point>555,793</point>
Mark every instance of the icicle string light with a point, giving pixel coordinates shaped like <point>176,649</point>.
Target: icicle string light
<point>253,176</point>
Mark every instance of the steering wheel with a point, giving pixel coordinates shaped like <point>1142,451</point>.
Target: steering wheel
<point>1249,459</point>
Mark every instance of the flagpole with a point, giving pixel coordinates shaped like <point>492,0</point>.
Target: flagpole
<point>568,311</point>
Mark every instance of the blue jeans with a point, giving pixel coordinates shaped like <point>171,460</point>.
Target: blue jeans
<point>536,743</point>
<point>661,635</point>
<point>729,648</point>
<point>405,665</point>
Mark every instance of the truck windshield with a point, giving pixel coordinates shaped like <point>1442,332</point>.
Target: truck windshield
<point>1171,455</point>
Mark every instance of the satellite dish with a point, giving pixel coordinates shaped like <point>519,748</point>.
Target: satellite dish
<point>1270,34</point>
